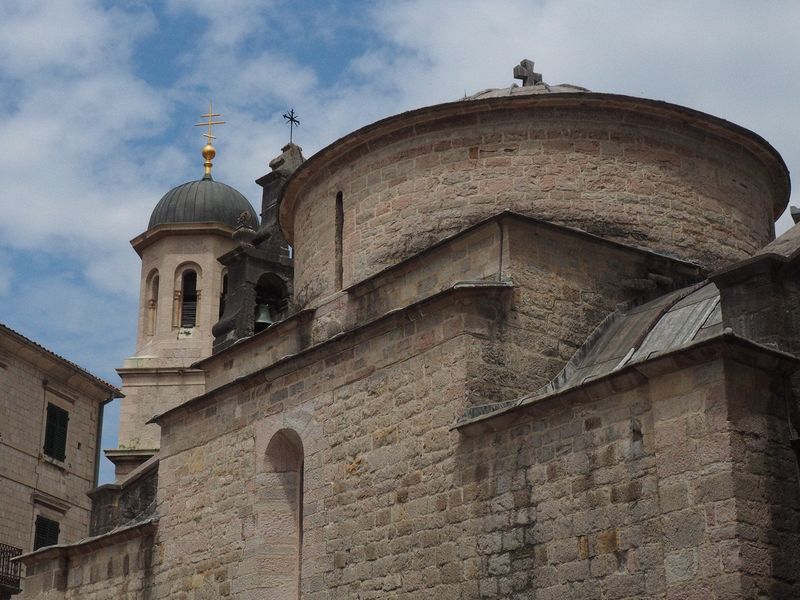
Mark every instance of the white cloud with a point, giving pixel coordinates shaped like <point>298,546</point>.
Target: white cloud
<point>229,22</point>
<point>65,38</point>
<point>75,168</point>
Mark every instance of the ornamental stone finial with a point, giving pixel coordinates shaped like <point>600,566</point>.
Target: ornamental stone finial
<point>244,234</point>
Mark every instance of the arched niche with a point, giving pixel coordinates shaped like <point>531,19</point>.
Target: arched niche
<point>151,302</point>
<point>281,513</point>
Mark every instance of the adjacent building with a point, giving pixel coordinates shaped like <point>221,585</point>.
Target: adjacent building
<point>52,411</point>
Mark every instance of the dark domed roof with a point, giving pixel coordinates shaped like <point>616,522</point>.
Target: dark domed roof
<point>202,201</point>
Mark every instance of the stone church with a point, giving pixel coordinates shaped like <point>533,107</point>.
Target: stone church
<point>538,342</point>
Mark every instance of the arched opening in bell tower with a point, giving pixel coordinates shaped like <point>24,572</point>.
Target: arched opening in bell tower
<point>188,299</point>
<point>271,300</point>
<point>223,293</point>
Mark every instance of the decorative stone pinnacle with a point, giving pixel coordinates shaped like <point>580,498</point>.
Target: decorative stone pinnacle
<point>244,234</point>
<point>243,219</point>
<point>524,71</point>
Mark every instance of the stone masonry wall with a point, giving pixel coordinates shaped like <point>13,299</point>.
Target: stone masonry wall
<point>765,484</point>
<point>148,393</point>
<point>642,179</point>
<point>679,488</point>
<point>26,470</point>
<point>121,569</point>
<point>670,480</point>
<point>564,286</point>
<point>377,452</point>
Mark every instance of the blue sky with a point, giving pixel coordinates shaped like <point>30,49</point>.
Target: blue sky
<point>98,101</point>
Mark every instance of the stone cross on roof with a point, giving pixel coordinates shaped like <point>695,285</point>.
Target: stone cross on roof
<point>525,72</point>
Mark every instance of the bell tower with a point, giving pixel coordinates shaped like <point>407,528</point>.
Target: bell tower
<point>182,295</point>
<point>260,268</point>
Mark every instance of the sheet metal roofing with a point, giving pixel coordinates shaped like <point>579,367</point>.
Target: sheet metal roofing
<point>203,201</point>
<point>5,330</point>
<point>634,334</point>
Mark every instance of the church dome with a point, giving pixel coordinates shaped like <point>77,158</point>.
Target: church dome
<point>203,201</point>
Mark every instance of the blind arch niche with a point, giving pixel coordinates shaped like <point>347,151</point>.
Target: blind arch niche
<point>281,513</point>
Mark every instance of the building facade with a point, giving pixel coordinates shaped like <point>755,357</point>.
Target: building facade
<point>50,442</point>
<point>536,343</point>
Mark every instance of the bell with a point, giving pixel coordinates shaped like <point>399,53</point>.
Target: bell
<point>263,315</point>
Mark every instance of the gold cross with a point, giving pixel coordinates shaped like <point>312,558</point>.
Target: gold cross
<point>210,116</point>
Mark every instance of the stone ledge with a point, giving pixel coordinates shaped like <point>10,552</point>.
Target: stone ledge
<point>86,545</point>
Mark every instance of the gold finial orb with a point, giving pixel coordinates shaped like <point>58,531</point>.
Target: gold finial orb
<point>209,152</point>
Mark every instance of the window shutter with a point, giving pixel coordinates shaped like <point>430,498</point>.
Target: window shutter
<point>55,435</point>
<point>46,533</point>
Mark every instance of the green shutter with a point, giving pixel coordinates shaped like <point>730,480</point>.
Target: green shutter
<point>46,534</point>
<point>55,433</point>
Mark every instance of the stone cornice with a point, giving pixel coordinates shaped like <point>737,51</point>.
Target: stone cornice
<point>143,240</point>
<point>87,545</point>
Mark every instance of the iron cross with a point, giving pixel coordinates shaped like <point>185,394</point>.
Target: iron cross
<point>292,120</point>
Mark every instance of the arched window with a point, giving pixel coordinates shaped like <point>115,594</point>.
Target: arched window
<point>152,304</point>
<point>223,294</point>
<point>188,299</point>
<point>271,300</point>
<point>282,509</point>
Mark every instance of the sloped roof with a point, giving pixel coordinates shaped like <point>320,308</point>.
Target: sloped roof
<point>633,334</point>
<point>786,245</point>
<point>7,331</point>
<point>636,334</point>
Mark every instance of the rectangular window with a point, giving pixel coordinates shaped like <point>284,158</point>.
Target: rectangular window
<point>46,534</point>
<point>55,433</point>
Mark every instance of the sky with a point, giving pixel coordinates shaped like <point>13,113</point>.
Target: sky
<point>98,100</point>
